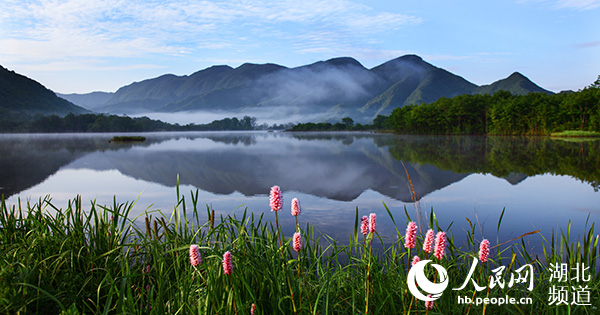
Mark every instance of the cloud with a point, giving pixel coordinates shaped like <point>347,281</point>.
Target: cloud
<point>587,45</point>
<point>87,65</point>
<point>578,4</point>
<point>564,4</point>
<point>61,30</point>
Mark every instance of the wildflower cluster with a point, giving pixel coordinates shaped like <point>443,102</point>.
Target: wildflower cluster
<point>410,242</point>
<point>236,266</point>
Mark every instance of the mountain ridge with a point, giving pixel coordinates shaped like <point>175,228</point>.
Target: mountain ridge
<point>19,93</point>
<point>327,90</point>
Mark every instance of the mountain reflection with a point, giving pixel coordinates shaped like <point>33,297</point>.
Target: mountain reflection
<point>27,160</point>
<point>335,166</point>
<point>339,167</point>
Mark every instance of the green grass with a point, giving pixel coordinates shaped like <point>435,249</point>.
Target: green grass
<point>575,133</point>
<point>96,260</point>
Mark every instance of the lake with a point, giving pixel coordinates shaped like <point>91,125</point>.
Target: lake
<point>542,183</point>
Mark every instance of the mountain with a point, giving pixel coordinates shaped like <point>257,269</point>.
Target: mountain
<point>89,101</point>
<point>325,90</point>
<point>21,94</point>
<point>414,81</point>
<point>516,83</point>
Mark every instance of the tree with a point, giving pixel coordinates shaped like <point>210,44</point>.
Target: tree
<point>349,122</point>
<point>381,122</point>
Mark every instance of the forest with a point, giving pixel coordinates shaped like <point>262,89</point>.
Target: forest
<point>503,114</point>
<point>21,123</point>
<point>346,124</point>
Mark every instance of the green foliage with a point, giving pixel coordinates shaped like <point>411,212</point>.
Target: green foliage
<point>347,124</point>
<point>502,114</point>
<point>576,133</point>
<point>71,261</point>
<point>502,156</point>
<point>13,122</point>
<point>19,93</point>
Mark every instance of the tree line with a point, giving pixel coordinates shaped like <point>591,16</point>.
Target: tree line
<point>346,124</point>
<point>502,156</point>
<point>503,114</point>
<point>13,122</point>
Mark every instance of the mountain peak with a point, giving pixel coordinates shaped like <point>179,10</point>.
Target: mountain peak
<point>334,62</point>
<point>212,69</point>
<point>411,58</point>
<point>344,61</point>
<point>517,75</point>
<point>20,93</point>
<point>248,66</point>
<point>403,67</point>
<point>516,83</point>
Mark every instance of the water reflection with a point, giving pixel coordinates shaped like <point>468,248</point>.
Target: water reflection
<point>510,158</point>
<point>334,166</point>
<point>541,182</point>
<point>27,160</point>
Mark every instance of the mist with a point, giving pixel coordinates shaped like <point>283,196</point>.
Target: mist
<point>318,84</point>
<point>264,115</point>
<point>324,91</point>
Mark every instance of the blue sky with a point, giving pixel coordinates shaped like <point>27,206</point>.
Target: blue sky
<point>100,45</point>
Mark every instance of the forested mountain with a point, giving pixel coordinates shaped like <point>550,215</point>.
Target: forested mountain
<point>339,87</point>
<point>23,95</point>
<point>414,81</point>
<point>516,84</point>
<point>503,113</point>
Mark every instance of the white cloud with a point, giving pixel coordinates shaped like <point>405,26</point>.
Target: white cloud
<point>85,65</point>
<point>55,30</point>
<point>564,4</point>
<point>578,4</point>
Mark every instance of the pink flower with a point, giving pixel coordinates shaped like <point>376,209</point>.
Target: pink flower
<point>429,304</point>
<point>252,309</point>
<point>411,231</point>
<point>276,200</point>
<point>364,225</point>
<point>148,267</point>
<point>195,257</point>
<point>440,245</point>
<point>295,207</point>
<point>227,266</point>
<point>484,250</point>
<point>428,243</point>
<point>297,242</point>
<point>372,222</point>
<point>415,260</point>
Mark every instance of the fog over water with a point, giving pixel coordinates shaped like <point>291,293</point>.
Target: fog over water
<point>331,173</point>
<point>266,115</point>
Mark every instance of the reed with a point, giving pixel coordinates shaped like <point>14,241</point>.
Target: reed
<point>97,259</point>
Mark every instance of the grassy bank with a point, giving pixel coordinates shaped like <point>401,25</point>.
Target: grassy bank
<point>576,133</point>
<point>96,260</point>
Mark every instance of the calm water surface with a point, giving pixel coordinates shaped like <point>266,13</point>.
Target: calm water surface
<point>542,183</point>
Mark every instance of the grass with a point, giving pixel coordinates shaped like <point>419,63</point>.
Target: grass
<point>576,133</point>
<point>101,261</point>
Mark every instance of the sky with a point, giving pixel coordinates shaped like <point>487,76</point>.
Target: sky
<point>80,46</point>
